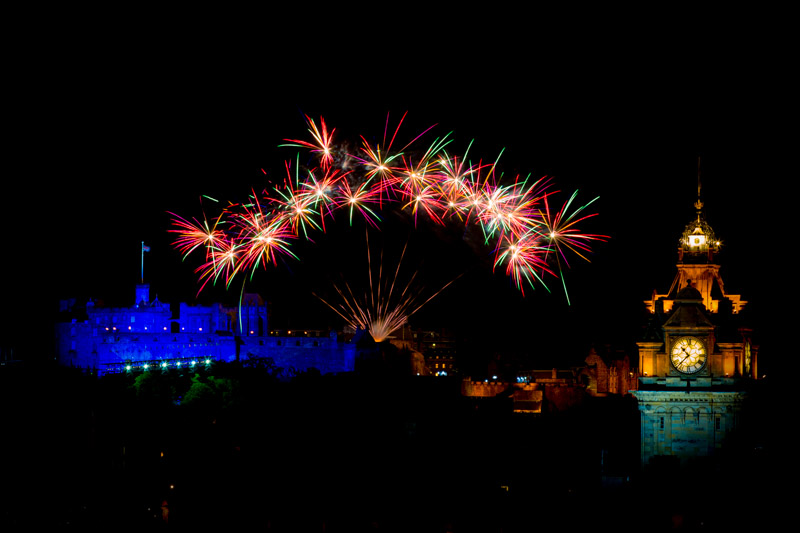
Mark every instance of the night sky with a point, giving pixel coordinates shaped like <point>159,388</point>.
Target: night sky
<point>113,158</point>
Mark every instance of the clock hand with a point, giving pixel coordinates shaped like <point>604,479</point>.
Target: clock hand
<point>683,349</point>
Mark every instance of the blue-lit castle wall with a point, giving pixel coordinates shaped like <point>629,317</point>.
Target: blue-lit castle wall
<point>152,333</point>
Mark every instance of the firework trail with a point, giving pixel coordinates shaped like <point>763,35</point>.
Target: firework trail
<point>381,310</point>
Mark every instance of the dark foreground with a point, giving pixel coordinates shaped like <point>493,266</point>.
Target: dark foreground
<point>242,450</point>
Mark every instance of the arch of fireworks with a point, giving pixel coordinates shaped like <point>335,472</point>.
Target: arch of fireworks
<point>531,240</point>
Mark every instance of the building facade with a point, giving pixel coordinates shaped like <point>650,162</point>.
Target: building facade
<point>696,359</point>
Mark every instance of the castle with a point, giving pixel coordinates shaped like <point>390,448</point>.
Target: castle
<point>153,334</point>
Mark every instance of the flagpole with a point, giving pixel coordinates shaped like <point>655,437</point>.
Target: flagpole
<point>142,262</point>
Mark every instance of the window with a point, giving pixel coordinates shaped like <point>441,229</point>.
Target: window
<point>661,423</point>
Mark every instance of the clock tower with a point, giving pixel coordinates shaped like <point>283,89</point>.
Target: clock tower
<point>696,357</point>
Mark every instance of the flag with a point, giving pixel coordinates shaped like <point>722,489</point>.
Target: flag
<point>145,248</point>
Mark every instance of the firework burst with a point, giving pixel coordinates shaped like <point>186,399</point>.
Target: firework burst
<point>386,305</point>
<point>193,235</point>
<point>563,234</point>
<point>530,240</point>
<point>322,144</point>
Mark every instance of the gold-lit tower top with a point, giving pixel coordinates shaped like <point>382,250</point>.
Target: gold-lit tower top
<point>698,238</point>
<point>698,265</point>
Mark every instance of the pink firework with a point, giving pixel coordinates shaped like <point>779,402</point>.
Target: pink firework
<point>524,259</point>
<point>260,237</point>
<point>359,199</point>
<point>222,261</point>
<point>322,144</point>
<point>561,229</point>
<point>319,193</point>
<point>193,235</point>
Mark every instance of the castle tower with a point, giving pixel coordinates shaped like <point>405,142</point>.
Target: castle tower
<point>142,294</point>
<point>695,358</point>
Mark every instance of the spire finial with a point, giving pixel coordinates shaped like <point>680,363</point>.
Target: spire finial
<point>698,204</point>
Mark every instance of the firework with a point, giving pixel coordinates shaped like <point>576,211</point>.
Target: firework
<point>322,146</point>
<point>221,261</point>
<point>561,229</point>
<point>359,200</point>
<point>530,241</point>
<point>524,259</point>
<point>193,235</point>
<point>260,237</point>
<point>562,233</point>
<point>294,208</point>
<point>319,194</point>
<point>381,310</point>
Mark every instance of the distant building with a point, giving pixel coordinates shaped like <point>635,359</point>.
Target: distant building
<point>696,359</point>
<point>153,334</point>
<point>605,373</point>
<point>437,349</point>
<point>608,372</point>
<point>534,391</point>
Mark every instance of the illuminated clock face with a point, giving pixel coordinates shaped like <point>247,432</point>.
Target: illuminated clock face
<point>688,355</point>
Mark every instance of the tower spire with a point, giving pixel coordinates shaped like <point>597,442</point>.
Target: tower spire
<point>698,204</point>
